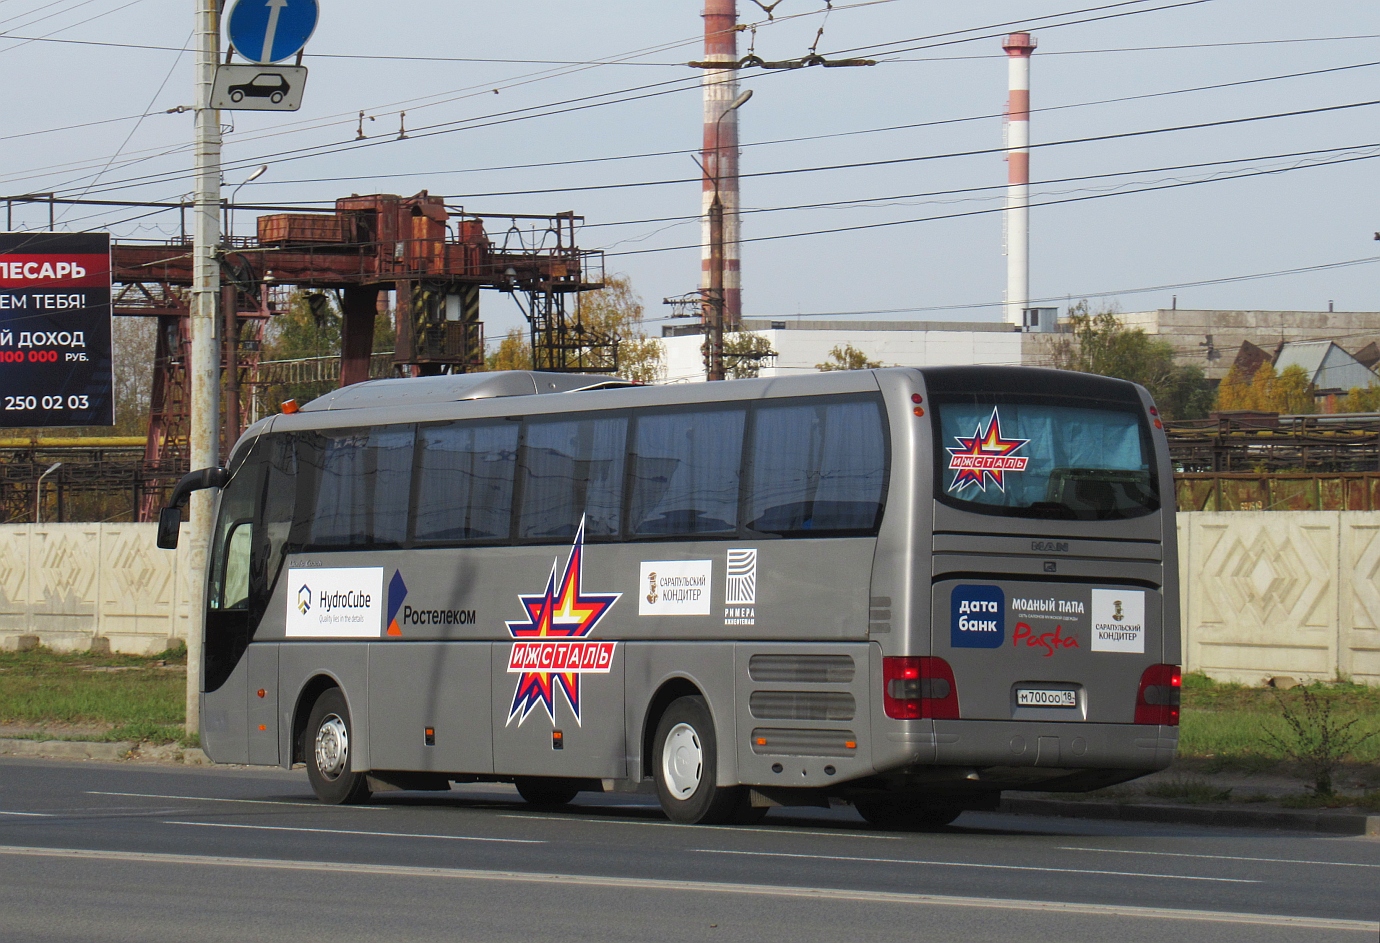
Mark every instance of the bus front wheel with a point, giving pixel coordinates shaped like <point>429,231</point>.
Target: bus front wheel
<point>329,737</point>
<point>685,763</point>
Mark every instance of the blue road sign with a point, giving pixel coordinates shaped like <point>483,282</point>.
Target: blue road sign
<point>272,30</point>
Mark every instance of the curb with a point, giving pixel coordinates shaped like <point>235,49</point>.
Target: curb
<point>1325,822</point>
<point>67,749</point>
<point>119,750</point>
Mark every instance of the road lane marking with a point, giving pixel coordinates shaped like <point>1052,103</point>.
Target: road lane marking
<point>970,864</point>
<point>37,815</point>
<point>346,831</point>
<point>565,881</point>
<point>149,795</point>
<point>736,829</point>
<point>1181,854</point>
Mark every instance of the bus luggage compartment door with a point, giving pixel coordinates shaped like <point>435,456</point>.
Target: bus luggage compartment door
<point>1047,651</point>
<point>559,723</point>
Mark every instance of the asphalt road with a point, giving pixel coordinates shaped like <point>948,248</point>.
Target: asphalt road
<point>97,852</point>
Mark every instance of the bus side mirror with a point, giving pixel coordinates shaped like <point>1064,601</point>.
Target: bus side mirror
<point>169,523</point>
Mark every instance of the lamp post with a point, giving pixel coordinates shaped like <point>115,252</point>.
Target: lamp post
<point>236,192</point>
<point>38,492</point>
<point>714,300</point>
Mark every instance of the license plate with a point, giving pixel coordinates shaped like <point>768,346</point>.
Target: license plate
<point>1044,697</point>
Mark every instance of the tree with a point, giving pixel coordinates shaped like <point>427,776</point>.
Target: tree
<point>615,312</point>
<point>1360,400</point>
<point>1100,343</point>
<point>744,352</point>
<point>847,357</point>
<point>512,353</point>
<point>1265,391</point>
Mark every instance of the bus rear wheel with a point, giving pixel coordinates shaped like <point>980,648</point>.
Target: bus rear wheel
<point>546,792</point>
<point>685,764</point>
<point>907,815</point>
<point>329,735</point>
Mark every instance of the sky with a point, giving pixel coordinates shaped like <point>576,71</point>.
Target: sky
<point>602,91</point>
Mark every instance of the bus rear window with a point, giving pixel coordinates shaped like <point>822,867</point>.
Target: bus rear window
<point>1044,457</point>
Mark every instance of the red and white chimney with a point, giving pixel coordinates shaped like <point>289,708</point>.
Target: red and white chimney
<point>720,153</point>
<point>1019,47</point>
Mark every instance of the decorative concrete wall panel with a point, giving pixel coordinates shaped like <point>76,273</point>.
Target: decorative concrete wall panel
<point>1263,593</point>
<point>1359,623</point>
<point>14,579</point>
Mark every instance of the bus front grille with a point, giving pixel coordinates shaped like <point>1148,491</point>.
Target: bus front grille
<point>802,705</point>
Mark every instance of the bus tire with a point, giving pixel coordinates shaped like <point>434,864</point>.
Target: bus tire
<point>546,792</point>
<point>906,815</point>
<point>685,764</point>
<point>327,752</point>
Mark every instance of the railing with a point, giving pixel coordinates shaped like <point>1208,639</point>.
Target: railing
<point>1278,491</point>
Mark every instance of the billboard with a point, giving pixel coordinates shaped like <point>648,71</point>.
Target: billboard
<point>55,357</point>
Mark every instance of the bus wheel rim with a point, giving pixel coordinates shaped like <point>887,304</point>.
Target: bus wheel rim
<point>682,761</point>
<point>332,746</point>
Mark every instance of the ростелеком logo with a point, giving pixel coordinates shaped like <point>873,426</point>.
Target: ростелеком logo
<point>304,599</point>
<point>397,592</point>
<point>977,617</point>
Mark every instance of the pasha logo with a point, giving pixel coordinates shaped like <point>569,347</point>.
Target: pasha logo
<point>977,617</point>
<point>304,599</point>
<point>550,651</point>
<point>985,457</point>
<point>397,592</point>
<point>1051,642</point>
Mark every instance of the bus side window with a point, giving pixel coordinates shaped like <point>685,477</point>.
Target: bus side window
<point>362,487</point>
<point>465,473</point>
<point>817,468</point>
<point>572,470</point>
<point>235,590</point>
<point>685,472</point>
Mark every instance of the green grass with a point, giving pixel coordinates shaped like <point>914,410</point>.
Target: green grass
<point>1228,722</point>
<point>144,700</point>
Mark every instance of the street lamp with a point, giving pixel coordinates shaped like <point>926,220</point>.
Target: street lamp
<point>236,192</point>
<point>38,492</point>
<point>714,302</point>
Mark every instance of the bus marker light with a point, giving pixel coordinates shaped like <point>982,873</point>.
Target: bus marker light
<point>289,407</point>
<point>262,693</point>
<point>263,726</point>
<point>557,740</point>
<point>761,741</point>
<point>429,736</point>
<point>919,411</point>
<point>916,398</point>
<point>850,744</point>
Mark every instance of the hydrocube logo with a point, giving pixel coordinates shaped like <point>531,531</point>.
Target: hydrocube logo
<point>978,617</point>
<point>304,599</point>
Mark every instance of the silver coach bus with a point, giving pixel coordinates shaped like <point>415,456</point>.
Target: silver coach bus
<point>910,589</point>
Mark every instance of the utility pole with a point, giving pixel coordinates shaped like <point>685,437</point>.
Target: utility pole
<point>205,430</point>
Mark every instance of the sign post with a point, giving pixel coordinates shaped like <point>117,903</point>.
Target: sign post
<point>55,348</point>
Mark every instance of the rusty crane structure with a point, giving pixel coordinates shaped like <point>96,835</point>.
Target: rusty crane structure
<point>434,258</point>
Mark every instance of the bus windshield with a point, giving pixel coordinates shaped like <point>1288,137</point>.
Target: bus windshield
<point>1044,457</point>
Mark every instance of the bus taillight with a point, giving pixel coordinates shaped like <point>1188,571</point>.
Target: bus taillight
<point>918,688</point>
<point>1157,701</point>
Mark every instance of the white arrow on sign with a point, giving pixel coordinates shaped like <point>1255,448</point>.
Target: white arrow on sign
<point>275,7</point>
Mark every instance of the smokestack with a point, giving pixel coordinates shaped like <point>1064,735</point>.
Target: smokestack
<point>1019,47</point>
<point>720,154</point>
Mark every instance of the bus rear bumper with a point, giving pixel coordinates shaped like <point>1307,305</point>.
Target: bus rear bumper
<point>1050,757</point>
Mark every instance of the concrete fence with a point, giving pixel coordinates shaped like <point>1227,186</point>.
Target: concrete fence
<point>78,586</point>
<point>1264,593</point>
